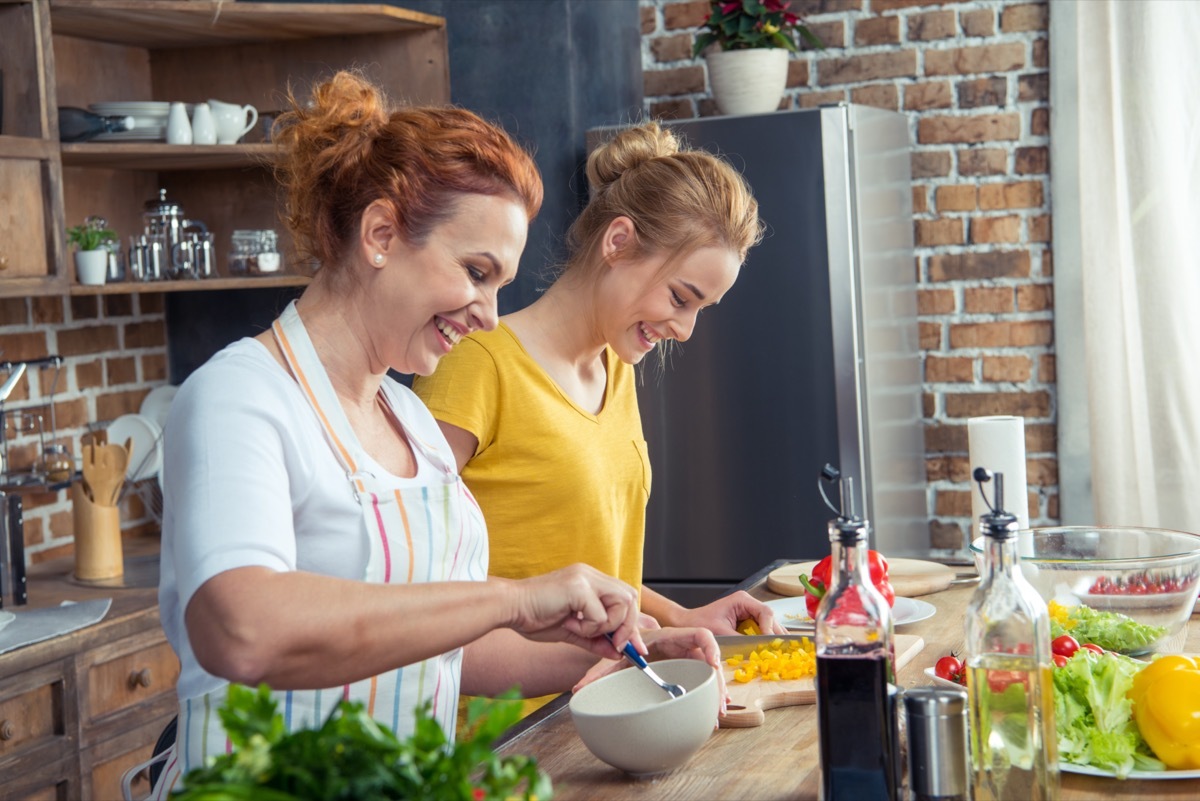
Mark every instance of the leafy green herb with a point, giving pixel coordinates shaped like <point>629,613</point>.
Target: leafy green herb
<point>92,235</point>
<point>1112,631</point>
<point>1094,717</point>
<point>351,757</point>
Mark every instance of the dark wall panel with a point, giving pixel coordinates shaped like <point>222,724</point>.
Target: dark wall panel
<point>547,70</point>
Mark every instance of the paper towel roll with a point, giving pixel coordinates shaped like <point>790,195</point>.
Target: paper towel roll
<point>998,444</point>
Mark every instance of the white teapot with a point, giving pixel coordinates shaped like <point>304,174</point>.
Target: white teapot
<point>232,121</point>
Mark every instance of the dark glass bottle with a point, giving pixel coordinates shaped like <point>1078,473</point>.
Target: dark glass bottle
<point>80,125</point>
<point>856,709</point>
<point>1014,743</point>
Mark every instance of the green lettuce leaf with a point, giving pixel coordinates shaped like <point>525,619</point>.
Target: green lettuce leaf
<point>1112,631</point>
<point>1094,717</point>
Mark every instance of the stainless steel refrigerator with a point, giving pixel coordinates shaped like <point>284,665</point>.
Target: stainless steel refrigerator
<point>811,358</point>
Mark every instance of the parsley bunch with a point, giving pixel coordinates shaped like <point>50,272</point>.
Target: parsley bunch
<point>352,758</point>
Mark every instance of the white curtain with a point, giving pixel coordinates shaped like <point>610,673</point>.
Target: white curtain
<point>1126,135</point>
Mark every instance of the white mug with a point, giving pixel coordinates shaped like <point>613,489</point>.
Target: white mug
<point>233,121</point>
<point>179,130</point>
<point>204,128</point>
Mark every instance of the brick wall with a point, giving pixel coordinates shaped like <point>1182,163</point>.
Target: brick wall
<point>114,351</point>
<point>973,79</point>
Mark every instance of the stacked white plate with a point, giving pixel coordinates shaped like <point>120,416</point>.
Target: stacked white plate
<point>146,459</point>
<point>149,117</point>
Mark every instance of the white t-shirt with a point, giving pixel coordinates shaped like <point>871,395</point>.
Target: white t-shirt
<point>250,480</point>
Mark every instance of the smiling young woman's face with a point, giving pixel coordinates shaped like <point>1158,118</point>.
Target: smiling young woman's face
<point>447,288</point>
<point>642,307</point>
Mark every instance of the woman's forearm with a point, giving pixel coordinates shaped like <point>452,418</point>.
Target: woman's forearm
<point>296,630</point>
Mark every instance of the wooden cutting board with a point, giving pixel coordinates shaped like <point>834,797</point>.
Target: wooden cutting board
<point>909,577</point>
<point>755,697</point>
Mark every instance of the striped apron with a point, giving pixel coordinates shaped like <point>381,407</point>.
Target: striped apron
<point>416,534</point>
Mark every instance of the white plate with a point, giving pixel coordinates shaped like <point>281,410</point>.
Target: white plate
<point>6,618</point>
<point>793,612</point>
<point>1088,770</point>
<point>137,135</point>
<point>146,460</point>
<point>1119,602</point>
<point>157,403</point>
<point>133,108</point>
<point>936,679</point>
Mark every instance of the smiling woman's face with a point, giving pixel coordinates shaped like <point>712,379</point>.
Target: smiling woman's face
<point>641,306</point>
<point>434,295</point>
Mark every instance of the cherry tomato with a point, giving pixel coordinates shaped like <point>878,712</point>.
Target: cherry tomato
<point>1091,646</point>
<point>1059,660</point>
<point>1064,645</point>
<point>949,668</point>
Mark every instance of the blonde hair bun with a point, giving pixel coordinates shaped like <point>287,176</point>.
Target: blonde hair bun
<point>628,149</point>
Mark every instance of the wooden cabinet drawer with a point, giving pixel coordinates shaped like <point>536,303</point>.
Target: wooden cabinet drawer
<point>32,712</point>
<point>121,679</point>
<point>104,765</point>
<point>57,781</point>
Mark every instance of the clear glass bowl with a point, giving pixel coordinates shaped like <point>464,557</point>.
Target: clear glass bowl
<point>1151,575</point>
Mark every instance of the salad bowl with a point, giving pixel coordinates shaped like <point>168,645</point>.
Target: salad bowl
<point>1127,589</point>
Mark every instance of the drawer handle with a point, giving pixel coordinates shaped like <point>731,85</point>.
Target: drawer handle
<point>3,262</point>
<point>140,678</point>
<point>7,730</point>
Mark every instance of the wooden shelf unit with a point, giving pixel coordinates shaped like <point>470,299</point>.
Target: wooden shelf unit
<point>185,285</point>
<point>79,52</point>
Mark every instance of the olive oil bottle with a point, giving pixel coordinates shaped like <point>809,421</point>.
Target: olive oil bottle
<point>1013,741</point>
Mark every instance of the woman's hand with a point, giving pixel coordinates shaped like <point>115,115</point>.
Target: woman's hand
<point>723,615</point>
<point>668,643</point>
<point>578,604</point>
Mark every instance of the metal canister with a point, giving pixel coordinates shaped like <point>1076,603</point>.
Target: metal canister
<point>937,744</point>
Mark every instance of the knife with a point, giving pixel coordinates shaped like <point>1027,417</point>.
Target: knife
<point>743,644</point>
<point>16,550</point>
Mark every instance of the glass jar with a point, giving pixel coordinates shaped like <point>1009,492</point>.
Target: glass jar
<point>57,464</point>
<point>254,252</point>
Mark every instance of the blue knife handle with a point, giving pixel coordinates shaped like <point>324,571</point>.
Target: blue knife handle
<point>630,652</point>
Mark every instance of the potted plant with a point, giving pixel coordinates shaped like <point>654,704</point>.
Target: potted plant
<point>747,44</point>
<point>91,242</point>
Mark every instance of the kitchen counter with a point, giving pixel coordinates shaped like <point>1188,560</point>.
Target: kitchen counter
<point>778,760</point>
<point>79,709</point>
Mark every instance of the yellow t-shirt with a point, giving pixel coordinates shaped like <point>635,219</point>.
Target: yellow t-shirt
<point>557,484</point>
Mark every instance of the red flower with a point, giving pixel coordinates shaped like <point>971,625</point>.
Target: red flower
<point>478,793</point>
<point>790,19</point>
<point>730,6</point>
<point>775,5</point>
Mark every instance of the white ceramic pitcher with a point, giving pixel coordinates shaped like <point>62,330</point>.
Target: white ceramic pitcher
<point>233,121</point>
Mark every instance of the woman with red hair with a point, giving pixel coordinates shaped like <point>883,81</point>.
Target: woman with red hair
<point>317,537</point>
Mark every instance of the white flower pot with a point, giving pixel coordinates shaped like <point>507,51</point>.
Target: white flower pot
<point>91,266</point>
<point>747,81</point>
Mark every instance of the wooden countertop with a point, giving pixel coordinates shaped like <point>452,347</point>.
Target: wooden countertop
<point>133,609</point>
<point>778,760</point>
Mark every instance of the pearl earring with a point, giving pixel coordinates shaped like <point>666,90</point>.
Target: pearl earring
<point>379,258</point>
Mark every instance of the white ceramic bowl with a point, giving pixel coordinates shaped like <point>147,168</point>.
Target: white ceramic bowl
<point>629,722</point>
<point>1151,575</point>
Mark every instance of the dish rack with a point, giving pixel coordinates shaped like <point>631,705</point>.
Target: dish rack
<point>26,423</point>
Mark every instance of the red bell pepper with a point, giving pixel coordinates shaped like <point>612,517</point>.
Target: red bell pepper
<point>815,586</point>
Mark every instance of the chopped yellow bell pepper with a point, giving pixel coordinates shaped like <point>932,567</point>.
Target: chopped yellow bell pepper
<point>1166,706</point>
<point>776,661</point>
<point>749,626</point>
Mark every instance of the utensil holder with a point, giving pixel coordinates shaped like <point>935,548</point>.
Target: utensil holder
<point>98,550</point>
